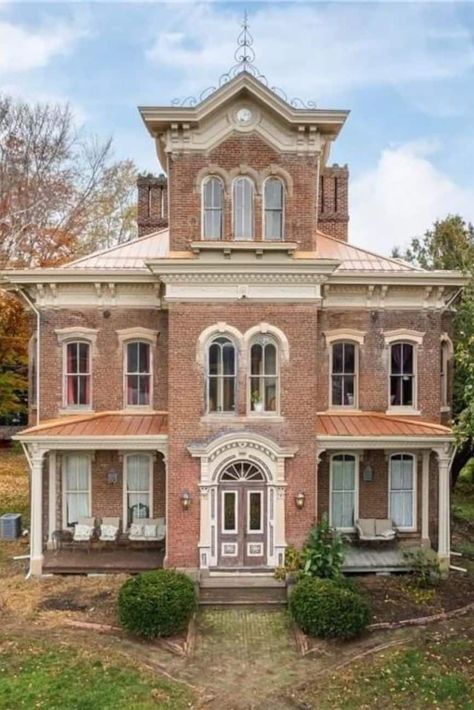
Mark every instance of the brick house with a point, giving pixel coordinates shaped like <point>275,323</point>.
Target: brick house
<point>241,369</point>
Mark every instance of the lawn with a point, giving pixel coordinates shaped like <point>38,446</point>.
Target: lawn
<point>58,677</point>
<point>14,484</point>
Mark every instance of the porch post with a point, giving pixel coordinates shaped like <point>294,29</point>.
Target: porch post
<point>36,525</point>
<point>52,492</point>
<point>444,461</point>
<point>425,498</point>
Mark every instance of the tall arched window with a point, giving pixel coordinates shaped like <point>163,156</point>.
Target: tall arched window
<point>243,208</point>
<point>264,376</point>
<point>212,202</point>
<point>274,197</point>
<point>221,375</point>
<point>402,375</point>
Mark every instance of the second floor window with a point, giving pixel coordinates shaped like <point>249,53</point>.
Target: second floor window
<point>402,375</point>
<point>263,376</point>
<point>221,375</point>
<point>343,375</point>
<point>77,375</point>
<point>138,374</point>
<point>243,207</point>
<point>273,195</point>
<point>213,195</point>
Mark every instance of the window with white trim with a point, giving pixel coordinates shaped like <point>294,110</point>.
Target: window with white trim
<point>264,375</point>
<point>77,374</point>
<point>402,375</point>
<point>212,202</point>
<point>76,488</point>
<point>243,192</point>
<point>138,373</point>
<point>274,201</point>
<point>221,375</point>
<point>402,490</point>
<point>344,356</point>
<point>444,359</point>
<point>138,490</point>
<point>344,491</point>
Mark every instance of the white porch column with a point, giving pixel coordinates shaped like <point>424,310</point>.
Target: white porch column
<point>165,462</point>
<point>425,498</point>
<point>206,521</point>
<point>444,461</point>
<point>36,525</point>
<point>52,493</point>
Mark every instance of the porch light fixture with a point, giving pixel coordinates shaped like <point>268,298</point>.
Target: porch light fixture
<point>299,500</point>
<point>186,500</point>
<point>112,476</point>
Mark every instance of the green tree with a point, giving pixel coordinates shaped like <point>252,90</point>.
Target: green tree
<point>449,244</point>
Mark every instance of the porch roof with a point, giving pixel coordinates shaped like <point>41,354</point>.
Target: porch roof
<point>376,425</point>
<point>102,424</point>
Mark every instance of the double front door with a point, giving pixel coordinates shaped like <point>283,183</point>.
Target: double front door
<point>242,524</point>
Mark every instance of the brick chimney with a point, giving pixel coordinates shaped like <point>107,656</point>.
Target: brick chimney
<point>152,213</point>
<point>333,205</point>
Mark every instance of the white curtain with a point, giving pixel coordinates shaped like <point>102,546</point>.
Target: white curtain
<point>76,484</point>
<point>343,491</point>
<point>401,491</point>
<point>138,486</point>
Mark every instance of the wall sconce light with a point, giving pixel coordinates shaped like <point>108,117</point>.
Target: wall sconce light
<point>186,500</point>
<point>299,500</point>
<point>368,474</point>
<point>112,476</point>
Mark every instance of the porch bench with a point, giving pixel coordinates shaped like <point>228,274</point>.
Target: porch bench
<point>147,530</point>
<point>375,530</point>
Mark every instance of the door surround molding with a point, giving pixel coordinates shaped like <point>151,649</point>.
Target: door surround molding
<point>218,453</point>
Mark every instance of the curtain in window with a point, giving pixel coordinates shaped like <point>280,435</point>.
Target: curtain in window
<point>401,490</point>
<point>401,375</point>
<point>212,202</point>
<point>138,374</point>
<point>343,374</point>
<point>264,375</point>
<point>343,492</point>
<point>221,375</point>
<point>76,488</point>
<point>138,487</point>
<point>273,209</point>
<point>78,374</point>
<point>243,195</point>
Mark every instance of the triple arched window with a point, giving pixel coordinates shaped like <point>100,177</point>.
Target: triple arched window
<point>243,209</point>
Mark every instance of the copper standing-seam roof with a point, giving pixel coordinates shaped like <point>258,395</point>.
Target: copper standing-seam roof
<point>376,425</point>
<point>102,424</point>
<point>355,258</point>
<point>131,255</point>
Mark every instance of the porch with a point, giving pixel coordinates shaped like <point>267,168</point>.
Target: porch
<point>103,561</point>
<point>370,559</point>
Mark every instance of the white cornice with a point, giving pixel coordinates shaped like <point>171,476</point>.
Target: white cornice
<point>382,442</point>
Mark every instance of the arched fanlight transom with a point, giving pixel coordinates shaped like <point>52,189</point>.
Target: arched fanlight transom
<point>242,471</point>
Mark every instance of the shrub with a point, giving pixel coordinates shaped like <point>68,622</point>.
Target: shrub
<point>323,554</point>
<point>292,566</point>
<point>325,608</point>
<point>157,603</point>
<point>424,564</point>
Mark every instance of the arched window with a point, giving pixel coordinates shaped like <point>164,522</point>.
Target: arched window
<point>221,375</point>
<point>274,197</point>
<point>77,374</point>
<point>264,375</point>
<point>212,201</point>
<point>402,375</point>
<point>344,374</point>
<point>344,491</point>
<point>243,208</point>
<point>402,490</point>
<point>138,374</point>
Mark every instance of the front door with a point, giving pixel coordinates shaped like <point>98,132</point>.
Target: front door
<point>242,517</point>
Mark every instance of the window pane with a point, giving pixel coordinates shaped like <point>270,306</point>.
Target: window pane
<point>143,389</point>
<point>270,359</point>
<point>72,362</point>
<point>228,403</point>
<point>83,357</point>
<point>348,387</point>
<point>256,359</point>
<point>255,511</point>
<point>243,209</point>
<point>228,359</point>
<point>214,357</point>
<point>213,224</point>
<point>407,358</point>
<point>230,517</point>
<point>396,359</point>
<point>337,390</point>
<point>338,357</point>
<point>213,394</point>
<point>144,357</point>
<point>349,358</point>
<point>132,389</point>
<point>270,384</point>
<point>396,390</point>
<point>273,224</point>
<point>132,357</point>
<point>407,390</point>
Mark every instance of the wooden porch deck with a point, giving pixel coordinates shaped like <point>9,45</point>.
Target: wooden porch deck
<point>112,561</point>
<point>360,559</point>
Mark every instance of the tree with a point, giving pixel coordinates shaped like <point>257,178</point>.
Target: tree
<point>13,357</point>
<point>449,244</point>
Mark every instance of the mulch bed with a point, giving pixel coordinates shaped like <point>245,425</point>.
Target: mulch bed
<point>396,598</point>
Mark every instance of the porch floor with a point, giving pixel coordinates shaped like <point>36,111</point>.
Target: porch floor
<point>374,559</point>
<point>102,561</point>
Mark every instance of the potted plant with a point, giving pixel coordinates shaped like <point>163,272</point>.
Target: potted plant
<point>257,401</point>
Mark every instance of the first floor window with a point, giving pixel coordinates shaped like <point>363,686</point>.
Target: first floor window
<point>138,374</point>
<point>138,490</point>
<point>402,375</point>
<point>76,482</point>
<point>402,490</point>
<point>77,375</point>
<point>343,375</point>
<point>343,491</point>
<point>264,376</point>
<point>221,375</point>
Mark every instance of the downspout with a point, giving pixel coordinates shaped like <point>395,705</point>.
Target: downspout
<point>38,348</point>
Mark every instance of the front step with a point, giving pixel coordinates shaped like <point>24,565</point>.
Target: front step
<point>241,590</point>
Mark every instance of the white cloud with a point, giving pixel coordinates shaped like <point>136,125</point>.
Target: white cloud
<point>23,49</point>
<point>402,196</point>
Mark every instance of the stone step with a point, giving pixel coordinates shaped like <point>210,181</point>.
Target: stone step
<point>241,590</point>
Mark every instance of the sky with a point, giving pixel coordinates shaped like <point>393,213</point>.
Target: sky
<point>405,70</point>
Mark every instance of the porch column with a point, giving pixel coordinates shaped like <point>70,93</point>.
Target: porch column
<point>52,493</point>
<point>444,461</point>
<point>36,525</point>
<point>425,498</point>
<point>165,462</point>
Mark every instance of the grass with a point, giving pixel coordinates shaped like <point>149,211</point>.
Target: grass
<point>14,484</point>
<point>439,674</point>
<point>62,678</point>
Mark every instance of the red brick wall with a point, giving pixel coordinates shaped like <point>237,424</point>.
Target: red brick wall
<point>152,209</point>
<point>333,206</point>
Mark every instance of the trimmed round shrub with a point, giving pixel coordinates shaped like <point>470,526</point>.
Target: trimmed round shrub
<point>325,608</point>
<point>157,603</point>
